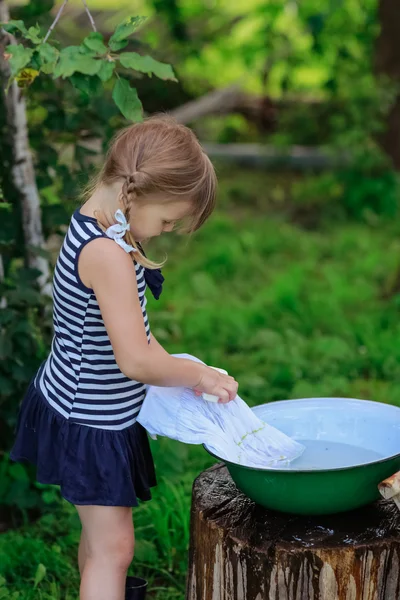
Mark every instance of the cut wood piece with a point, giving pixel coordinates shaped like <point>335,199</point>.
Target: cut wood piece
<point>390,488</point>
<point>241,551</point>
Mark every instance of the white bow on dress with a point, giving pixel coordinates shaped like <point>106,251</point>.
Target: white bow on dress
<point>118,231</point>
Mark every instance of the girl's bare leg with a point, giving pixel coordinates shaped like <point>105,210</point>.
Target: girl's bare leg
<point>82,552</point>
<point>107,545</point>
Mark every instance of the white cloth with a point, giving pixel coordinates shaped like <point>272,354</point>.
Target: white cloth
<point>118,231</point>
<point>232,431</point>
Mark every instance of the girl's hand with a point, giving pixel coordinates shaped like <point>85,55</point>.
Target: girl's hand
<point>218,384</point>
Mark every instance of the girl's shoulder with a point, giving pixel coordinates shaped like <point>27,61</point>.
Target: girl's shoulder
<point>93,252</point>
<point>84,228</point>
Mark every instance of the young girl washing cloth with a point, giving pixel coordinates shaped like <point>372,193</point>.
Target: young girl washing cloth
<point>78,422</point>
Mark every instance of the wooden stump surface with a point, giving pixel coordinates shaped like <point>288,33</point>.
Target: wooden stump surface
<point>241,551</point>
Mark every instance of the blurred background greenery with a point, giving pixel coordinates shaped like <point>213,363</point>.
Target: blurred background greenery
<point>293,285</point>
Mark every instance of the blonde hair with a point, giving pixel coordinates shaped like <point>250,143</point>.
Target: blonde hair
<point>159,155</point>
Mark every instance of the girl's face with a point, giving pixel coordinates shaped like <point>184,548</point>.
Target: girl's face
<point>150,219</point>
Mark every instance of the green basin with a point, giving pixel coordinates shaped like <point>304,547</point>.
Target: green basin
<point>351,446</point>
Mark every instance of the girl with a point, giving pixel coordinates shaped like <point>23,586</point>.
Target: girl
<point>78,420</point>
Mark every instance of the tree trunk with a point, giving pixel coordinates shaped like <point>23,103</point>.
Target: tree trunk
<point>262,111</point>
<point>262,156</point>
<point>21,164</point>
<point>241,551</point>
<point>387,62</point>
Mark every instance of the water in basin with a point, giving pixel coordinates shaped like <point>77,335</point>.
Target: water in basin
<point>322,454</point>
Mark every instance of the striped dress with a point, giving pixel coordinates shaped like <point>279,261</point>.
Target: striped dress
<point>81,379</point>
<point>78,420</point>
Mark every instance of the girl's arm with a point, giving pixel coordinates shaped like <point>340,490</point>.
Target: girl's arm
<point>156,344</point>
<point>108,270</point>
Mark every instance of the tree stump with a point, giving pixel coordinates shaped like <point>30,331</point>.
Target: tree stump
<point>241,551</point>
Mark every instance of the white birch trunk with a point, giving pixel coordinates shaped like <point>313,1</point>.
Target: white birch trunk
<point>22,165</point>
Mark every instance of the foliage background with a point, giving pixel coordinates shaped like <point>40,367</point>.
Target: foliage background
<point>306,263</point>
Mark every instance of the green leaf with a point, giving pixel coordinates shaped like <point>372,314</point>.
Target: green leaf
<point>18,472</point>
<point>50,497</point>
<point>147,64</point>
<point>20,57</point>
<point>22,326</point>
<point>8,223</point>
<point>41,486</point>
<point>6,386</point>
<point>6,315</point>
<point>87,51</point>
<point>19,373</point>
<point>12,25</point>
<point>115,46</point>
<point>40,574</point>
<point>90,86</point>
<point>34,35</point>
<point>24,296</point>
<point>36,62</point>
<point>19,494</point>
<point>73,61</point>
<point>27,275</point>
<point>5,346</point>
<point>95,41</point>
<point>5,206</point>
<point>126,28</point>
<point>54,215</point>
<point>127,100</point>
<point>106,70</point>
<point>48,55</point>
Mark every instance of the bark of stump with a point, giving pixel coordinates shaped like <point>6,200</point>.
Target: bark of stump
<point>241,551</point>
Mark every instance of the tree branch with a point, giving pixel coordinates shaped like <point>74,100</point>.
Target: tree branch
<point>89,15</point>
<point>54,23</point>
<point>222,100</point>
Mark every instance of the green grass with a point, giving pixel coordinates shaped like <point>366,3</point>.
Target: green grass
<point>290,312</point>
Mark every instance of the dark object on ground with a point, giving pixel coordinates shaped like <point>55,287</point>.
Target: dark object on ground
<point>135,588</point>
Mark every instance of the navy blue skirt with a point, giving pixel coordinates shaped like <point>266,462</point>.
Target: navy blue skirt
<point>92,466</point>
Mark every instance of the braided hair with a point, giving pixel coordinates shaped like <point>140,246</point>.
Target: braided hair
<point>159,155</point>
